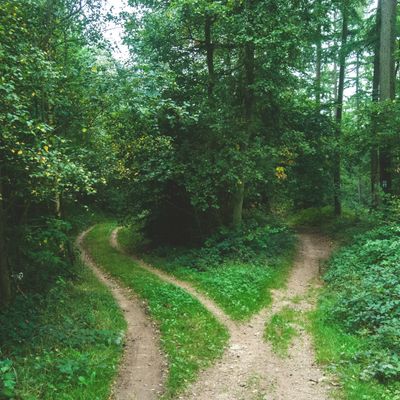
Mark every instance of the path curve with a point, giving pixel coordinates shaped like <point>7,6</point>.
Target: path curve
<point>141,371</point>
<point>209,304</point>
<point>249,369</point>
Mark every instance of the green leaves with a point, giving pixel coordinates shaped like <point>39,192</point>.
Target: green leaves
<point>8,379</point>
<point>365,280</point>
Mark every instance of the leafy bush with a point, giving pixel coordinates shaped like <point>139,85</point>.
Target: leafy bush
<point>237,268</point>
<point>252,243</point>
<point>365,281</point>
<point>67,340</point>
<point>8,379</point>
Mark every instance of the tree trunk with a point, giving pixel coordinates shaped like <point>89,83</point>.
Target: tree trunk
<point>318,59</point>
<point>386,81</point>
<point>339,111</point>
<point>248,104</point>
<point>238,198</point>
<point>5,281</point>
<point>375,98</point>
<point>210,53</point>
<point>318,66</point>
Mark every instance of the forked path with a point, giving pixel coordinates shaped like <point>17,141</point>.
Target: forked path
<point>249,369</point>
<point>141,372</point>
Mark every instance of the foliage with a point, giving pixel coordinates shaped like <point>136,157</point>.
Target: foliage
<point>237,268</point>
<point>64,344</point>
<point>365,280</point>
<point>191,337</point>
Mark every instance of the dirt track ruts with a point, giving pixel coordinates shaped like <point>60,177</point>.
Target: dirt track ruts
<point>142,369</point>
<point>249,369</point>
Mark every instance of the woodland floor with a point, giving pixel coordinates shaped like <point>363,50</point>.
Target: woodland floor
<point>250,368</point>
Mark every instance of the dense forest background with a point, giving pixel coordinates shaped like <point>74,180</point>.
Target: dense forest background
<point>228,123</point>
<point>223,110</point>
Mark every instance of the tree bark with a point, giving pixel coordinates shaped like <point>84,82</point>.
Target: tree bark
<point>318,59</point>
<point>238,198</point>
<point>5,281</point>
<point>386,81</point>
<point>210,53</point>
<point>248,105</point>
<point>375,98</point>
<point>318,66</point>
<point>339,111</point>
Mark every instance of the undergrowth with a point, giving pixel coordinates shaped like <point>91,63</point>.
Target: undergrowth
<point>191,337</point>
<point>357,324</point>
<point>236,268</point>
<point>64,344</point>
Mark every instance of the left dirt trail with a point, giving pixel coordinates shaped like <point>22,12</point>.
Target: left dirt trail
<point>142,370</point>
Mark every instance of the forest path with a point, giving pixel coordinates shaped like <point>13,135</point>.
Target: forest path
<point>249,369</point>
<point>209,304</point>
<point>141,372</point>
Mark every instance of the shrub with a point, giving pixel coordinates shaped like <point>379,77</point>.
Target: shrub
<point>365,280</point>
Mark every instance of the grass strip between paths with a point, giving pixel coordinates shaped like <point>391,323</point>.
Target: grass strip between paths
<point>191,337</point>
<point>241,289</point>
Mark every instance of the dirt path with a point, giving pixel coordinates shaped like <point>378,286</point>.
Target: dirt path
<point>141,372</point>
<point>204,300</point>
<point>249,369</point>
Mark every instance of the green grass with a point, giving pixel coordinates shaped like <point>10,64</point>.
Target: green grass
<point>280,330</point>
<point>64,345</point>
<point>240,289</point>
<point>191,337</point>
<point>338,351</point>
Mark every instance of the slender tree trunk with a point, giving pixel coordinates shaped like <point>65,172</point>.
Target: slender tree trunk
<point>358,81</point>
<point>238,198</point>
<point>318,66</point>
<point>5,281</point>
<point>387,84</point>
<point>249,59</point>
<point>210,53</point>
<point>339,111</point>
<point>375,98</point>
<point>318,61</point>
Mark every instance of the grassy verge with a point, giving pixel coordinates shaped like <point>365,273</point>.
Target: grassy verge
<point>356,325</point>
<point>240,288</point>
<point>62,345</point>
<point>280,330</point>
<point>340,352</point>
<point>191,337</point>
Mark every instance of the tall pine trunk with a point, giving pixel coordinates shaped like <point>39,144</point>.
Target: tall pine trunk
<point>375,98</point>
<point>210,53</point>
<point>318,59</point>
<point>386,81</point>
<point>339,111</point>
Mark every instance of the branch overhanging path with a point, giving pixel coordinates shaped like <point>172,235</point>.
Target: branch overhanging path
<point>249,368</point>
<point>141,373</point>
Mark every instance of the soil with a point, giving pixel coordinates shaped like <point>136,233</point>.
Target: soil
<point>142,370</point>
<point>249,369</point>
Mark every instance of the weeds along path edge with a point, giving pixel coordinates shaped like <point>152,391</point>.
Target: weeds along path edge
<point>141,373</point>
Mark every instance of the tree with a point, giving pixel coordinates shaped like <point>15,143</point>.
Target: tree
<point>339,108</point>
<point>387,78</point>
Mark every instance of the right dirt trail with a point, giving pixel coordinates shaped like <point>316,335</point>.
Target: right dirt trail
<point>249,369</point>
